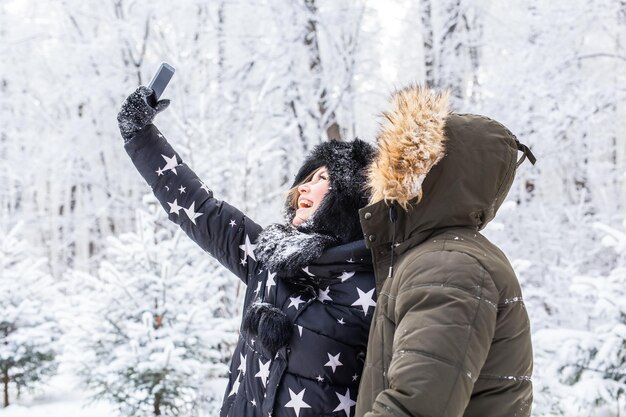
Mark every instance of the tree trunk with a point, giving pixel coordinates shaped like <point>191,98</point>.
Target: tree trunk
<point>157,404</point>
<point>221,49</point>
<point>452,68</point>
<point>5,382</point>
<point>428,40</point>
<point>474,29</point>
<point>315,64</point>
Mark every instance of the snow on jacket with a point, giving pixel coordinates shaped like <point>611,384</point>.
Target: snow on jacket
<point>318,372</point>
<point>451,335</point>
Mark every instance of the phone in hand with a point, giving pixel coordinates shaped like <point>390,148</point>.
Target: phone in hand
<point>159,82</point>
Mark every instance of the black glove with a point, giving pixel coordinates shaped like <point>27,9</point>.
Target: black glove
<point>136,113</point>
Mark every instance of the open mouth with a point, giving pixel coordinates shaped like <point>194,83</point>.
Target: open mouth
<point>304,203</point>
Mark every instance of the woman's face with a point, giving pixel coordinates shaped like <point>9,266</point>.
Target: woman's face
<point>310,195</point>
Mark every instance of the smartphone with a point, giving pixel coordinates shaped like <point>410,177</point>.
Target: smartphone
<point>159,82</point>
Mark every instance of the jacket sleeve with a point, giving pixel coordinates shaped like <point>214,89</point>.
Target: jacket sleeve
<point>217,227</point>
<point>445,317</point>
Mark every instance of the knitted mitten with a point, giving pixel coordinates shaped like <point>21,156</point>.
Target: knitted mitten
<point>136,113</point>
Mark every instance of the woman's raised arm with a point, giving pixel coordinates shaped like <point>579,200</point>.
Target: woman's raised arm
<point>217,227</point>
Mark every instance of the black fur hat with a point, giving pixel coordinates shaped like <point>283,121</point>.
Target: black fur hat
<point>335,221</point>
<point>337,215</point>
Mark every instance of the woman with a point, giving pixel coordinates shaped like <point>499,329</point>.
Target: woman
<point>310,285</point>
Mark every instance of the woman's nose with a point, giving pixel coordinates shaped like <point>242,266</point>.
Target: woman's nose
<point>304,188</point>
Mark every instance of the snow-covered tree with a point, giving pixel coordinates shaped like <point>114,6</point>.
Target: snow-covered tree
<point>156,330</point>
<point>28,328</point>
<point>583,371</point>
<point>259,83</point>
<point>452,38</point>
<point>556,88</point>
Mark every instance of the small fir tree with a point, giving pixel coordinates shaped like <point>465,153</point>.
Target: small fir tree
<point>155,334</point>
<point>590,363</point>
<point>28,329</point>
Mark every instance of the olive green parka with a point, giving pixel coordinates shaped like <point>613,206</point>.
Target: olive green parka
<point>451,335</point>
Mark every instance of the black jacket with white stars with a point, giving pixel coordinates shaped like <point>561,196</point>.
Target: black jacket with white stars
<point>318,372</point>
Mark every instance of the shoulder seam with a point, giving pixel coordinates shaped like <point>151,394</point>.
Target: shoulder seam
<point>475,259</point>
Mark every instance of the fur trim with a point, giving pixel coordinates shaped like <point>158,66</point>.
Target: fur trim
<point>270,324</point>
<point>275,330</point>
<point>283,248</point>
<point>410,142</point>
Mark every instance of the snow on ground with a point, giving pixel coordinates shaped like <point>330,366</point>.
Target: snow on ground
<point>63,398</point>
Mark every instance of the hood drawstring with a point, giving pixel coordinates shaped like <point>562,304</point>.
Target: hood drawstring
<point>393,216</point>
<point>526,153</point>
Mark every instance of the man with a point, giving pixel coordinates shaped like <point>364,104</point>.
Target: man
<point>451,335</point>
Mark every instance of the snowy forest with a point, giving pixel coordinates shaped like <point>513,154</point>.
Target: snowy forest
<point>109,309</point>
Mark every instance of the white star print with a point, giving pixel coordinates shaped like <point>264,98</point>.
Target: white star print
<point>297,401</point>
<point>322,295</point>
<point>243,261</point>
<point>167,187</point>
<point>232,223</point>
<point>341,321</point>
<point>299,329</point>
<point>242,363</point>
<point>174,207</point>
<point>253,402</point>
<point>258,288</point>
<point>333,361</point>
<point>355,377</point>
<point>365,300</point>
<point>264,371</point>
<point>191,212</point>
<point>170,163</point>
<point>235,386</point>
<point>351,261</point>
<point>159,135</point>
<point>270,281</point>
<point>345,403</point>
<point>319,378</point>
<point>295,302</point>
<point>182,189</point>
<point>306,269</point>
<point>205,188</point>
<point>159,172</point>
<point>248,249</point>
<point>345,276</point>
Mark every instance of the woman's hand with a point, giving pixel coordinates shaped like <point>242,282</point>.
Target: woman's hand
<point>136,113</point>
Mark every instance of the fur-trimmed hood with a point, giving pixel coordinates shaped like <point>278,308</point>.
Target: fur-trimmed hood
<point>411,141</point>
<point>440,177</point>
<point>443,169</point>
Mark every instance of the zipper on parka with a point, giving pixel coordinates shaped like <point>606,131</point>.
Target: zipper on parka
<point>393,216</point>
